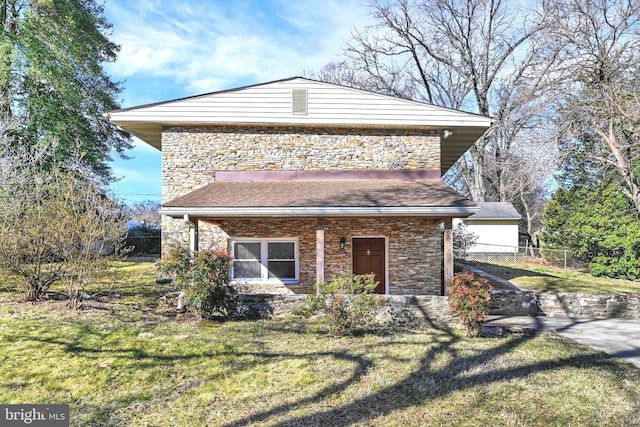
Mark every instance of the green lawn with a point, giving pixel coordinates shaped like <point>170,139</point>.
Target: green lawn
<point>556,280</point>
<point>127,361</point>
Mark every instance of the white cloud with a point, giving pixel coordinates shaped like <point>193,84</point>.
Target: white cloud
<point>174,49</point>
<point>214,45</point>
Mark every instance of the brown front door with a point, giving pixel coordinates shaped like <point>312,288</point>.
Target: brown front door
<point>368,257</point>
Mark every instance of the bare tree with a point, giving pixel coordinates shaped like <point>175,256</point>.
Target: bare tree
<point>146,212</point>
<point>599,108</point>
<point>484,56</point>
<point>55,223</point>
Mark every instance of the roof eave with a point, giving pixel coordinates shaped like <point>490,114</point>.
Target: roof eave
<point>376,211</point>
<point>496,219</point>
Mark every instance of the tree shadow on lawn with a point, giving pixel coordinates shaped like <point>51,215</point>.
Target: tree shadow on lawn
<point>507,272</point>
<point>427,382</point>
<point>237,361</point>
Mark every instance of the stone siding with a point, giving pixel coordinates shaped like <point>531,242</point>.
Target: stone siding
<point>190,155</point>
<point>415,255</point>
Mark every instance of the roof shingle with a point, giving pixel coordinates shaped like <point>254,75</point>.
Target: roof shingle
<point>337,193</point>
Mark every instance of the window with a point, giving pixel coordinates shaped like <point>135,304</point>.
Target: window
<point>264,260</point>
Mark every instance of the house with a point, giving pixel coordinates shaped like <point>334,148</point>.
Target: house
<point>496,226</point>
<point>302,180</point>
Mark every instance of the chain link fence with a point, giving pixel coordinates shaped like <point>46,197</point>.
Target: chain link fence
<point>523,255</point>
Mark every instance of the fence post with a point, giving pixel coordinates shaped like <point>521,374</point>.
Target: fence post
<point>565,259</point>
<point>515,257</point>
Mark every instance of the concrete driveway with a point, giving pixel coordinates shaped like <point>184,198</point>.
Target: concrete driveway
<point>617,337</point>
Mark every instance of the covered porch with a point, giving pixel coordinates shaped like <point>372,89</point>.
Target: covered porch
<point>303,230</point>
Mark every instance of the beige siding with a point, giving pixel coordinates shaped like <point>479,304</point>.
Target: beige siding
<point>328,104</point>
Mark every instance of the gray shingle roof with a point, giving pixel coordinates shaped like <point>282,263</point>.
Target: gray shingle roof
<point>496,210</point>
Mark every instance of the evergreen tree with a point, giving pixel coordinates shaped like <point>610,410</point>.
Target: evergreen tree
<point>599,225</point>
<point>52,78</point>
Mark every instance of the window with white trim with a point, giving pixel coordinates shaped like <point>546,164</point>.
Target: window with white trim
<point>260,260</point>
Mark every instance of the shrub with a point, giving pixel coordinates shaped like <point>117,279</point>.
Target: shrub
<point>56,222</point>
<point>599,226</point>
<point>469,299</point>
<point>205,282</point>
<point>177,265</point>
<point>347,302</point>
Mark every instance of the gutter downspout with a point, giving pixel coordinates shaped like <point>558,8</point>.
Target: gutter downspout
<point>193,235</point>
<point>193,248</point>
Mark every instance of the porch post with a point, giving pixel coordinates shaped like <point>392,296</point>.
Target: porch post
<point>448,253</point>
<point>319,252</point>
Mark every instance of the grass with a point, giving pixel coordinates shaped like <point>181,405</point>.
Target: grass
<point>458,268</point>
<point>125,360</point>
<point>554,279</point>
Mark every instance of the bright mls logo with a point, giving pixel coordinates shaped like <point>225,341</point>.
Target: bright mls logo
<point>34,415</point>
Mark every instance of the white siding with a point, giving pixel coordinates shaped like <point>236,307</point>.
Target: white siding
<point>327,103</point>
<point>494,235</point>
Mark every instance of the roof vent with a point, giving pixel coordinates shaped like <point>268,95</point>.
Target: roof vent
<point>299,101</point>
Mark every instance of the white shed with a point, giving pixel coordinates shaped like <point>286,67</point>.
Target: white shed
<point>496,225</point>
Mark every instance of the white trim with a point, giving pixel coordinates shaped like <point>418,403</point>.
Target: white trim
<point>429,211</point>
<point>386,256</point>
<point>265,279</point>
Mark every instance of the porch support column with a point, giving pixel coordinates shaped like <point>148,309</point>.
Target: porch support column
<point>448,253</point>
<point>319,253</point>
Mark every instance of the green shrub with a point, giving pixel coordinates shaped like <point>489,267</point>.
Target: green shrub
<point>347,302</point>
<point>205,282</point>
<point>177,265</point>
<point>469,299</point>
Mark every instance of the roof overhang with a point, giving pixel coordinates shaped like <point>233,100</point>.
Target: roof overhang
<point>321,211</point>
<point>462,137</point>
<point>322,194</point>
<point>329,106</point>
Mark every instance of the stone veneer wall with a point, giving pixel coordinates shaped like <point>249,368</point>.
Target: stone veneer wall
<point>415,246</point>
<point>190,155</point>
<point>415,255</point>
<point>415,251</point>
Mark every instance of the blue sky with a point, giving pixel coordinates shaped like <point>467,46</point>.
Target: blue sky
<point>171,49</point>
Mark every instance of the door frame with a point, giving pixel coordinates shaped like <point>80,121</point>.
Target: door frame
<point>386,256</point>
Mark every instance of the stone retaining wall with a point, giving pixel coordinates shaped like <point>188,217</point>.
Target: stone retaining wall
<point>404,309</point>
<point>519,303</point>
<point>397,309</point>
<point>623,305</point>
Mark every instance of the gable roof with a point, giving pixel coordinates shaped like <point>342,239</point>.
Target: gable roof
<point>496,211</point>
<point>327,105</point>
